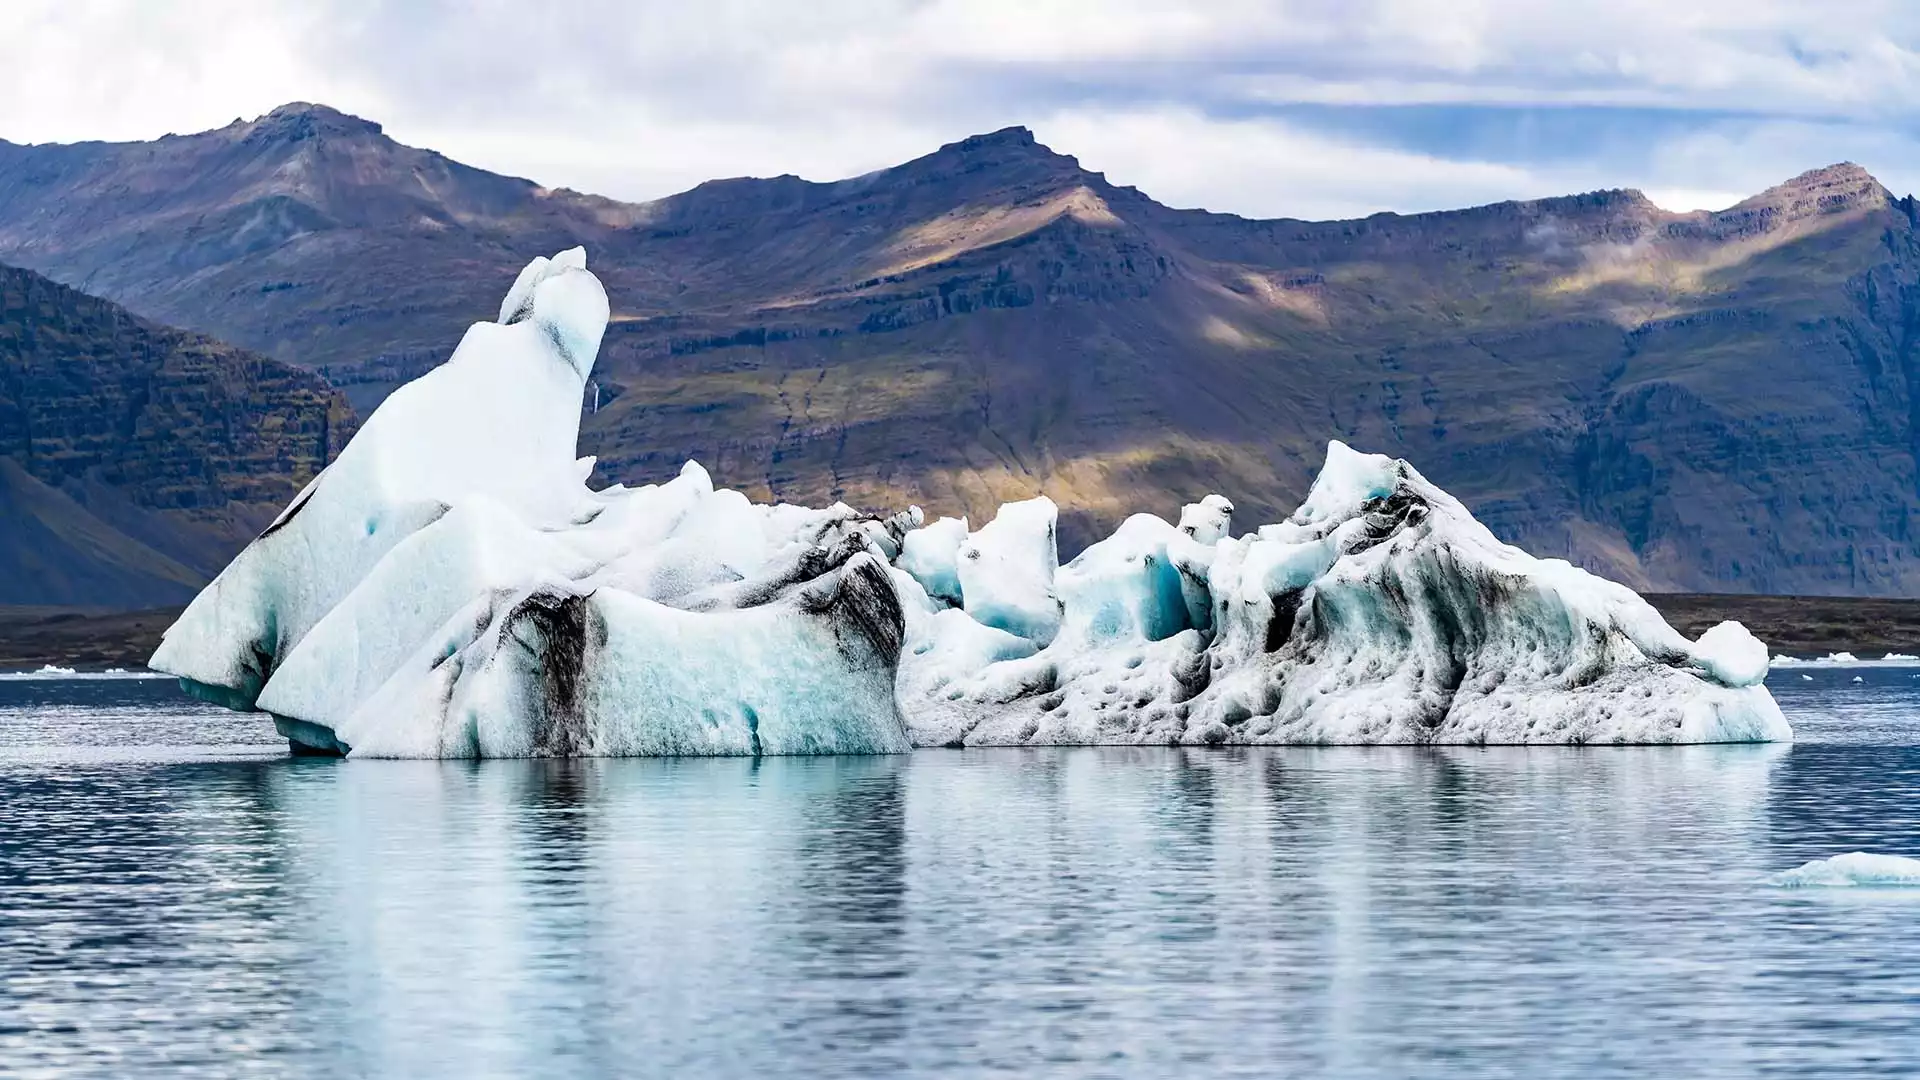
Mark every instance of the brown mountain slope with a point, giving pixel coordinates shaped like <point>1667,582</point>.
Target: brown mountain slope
<point>135,459</point>
<point>1703,401</point>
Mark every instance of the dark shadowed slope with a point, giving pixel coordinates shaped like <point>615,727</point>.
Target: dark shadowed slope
<point>135,459</point>
<point>1708,401</point>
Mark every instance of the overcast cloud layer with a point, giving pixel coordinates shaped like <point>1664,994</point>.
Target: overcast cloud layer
<point>1304,108</point>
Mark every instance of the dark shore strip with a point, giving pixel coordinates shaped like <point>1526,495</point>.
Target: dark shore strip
<point>88,639</point>
<point>93,639</point>
<point>1802,625</point>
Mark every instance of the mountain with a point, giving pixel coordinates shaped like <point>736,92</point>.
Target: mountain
<point>1721,401</point>
<point>135,459</point>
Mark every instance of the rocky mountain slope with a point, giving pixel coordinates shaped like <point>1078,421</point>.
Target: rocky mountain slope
<point>135,459</point>
<point>1709,401</point>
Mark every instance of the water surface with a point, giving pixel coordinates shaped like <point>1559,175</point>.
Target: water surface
<point>176,895</point>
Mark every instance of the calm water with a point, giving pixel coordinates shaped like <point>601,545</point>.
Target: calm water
<point>178,896</point>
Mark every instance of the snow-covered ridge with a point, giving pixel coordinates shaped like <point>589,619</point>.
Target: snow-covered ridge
<point>451,587</point>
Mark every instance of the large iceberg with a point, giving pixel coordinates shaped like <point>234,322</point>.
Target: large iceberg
<point>450,587</point>
<point>1380,612</point>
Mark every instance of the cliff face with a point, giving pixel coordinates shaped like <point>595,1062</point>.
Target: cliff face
<point>1706,401</point>
<point>135,459</point>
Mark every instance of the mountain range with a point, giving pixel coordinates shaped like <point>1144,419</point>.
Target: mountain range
<point>1707,401</point>
<point>135,459</point>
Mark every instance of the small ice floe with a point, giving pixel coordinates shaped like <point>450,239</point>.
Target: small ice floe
<point>1847,659</point>
<point>1856,868</point>
<point>55,671</point>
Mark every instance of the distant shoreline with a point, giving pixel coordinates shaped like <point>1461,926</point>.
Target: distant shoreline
<point>1802,625</point>
<point>92,639</point>
<point>87,639</point>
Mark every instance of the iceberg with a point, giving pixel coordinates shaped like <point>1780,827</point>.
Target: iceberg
<point>451,587</point>
<point>1379,612</point>
<point>1856,868</point>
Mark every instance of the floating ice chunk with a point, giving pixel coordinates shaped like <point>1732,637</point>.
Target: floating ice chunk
<point>1847,659</point>
<point>63,674</point>
<point>1857,868</point>
<point>1006,571</point>
<point>1731,655</point>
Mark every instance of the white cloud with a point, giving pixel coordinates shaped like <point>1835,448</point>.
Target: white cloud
<point>1263,168</point>
<point>638,100</point>
<point>124,69</point>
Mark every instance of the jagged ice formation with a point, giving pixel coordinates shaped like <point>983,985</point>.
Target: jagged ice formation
<point>450,587</point>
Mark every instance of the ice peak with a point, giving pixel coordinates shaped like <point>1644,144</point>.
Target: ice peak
<point>565,300</point>
<point>1348,479</point>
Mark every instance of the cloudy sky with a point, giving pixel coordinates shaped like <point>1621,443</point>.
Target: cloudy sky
<point>1306,108</point>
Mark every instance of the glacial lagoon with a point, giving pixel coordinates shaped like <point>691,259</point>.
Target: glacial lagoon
<point>178,893</point>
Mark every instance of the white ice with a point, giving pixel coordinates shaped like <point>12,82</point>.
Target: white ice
<point>1847,659</point>
<point>51,672</point>
<point>1856,868</point>
<point>1380,612</point>
<point>1006,571</point>
<point>451,587</point>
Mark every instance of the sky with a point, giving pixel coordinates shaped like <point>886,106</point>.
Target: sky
<point>1297,108</point>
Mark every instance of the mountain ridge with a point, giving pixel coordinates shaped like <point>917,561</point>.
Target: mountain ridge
<point>1702,400</point>
<point>135,459</point>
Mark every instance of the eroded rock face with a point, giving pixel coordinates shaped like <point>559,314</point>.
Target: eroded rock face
<point>145,455</point>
